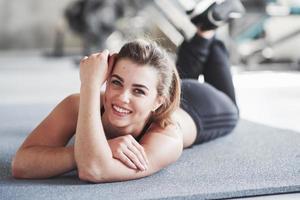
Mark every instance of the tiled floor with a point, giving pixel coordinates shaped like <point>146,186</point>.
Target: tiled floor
<point>265,97</point>
<point>270,97</point>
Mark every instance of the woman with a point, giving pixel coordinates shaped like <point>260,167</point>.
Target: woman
<point>136,127</point>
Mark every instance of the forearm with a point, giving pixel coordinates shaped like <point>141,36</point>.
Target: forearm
<point>43,162</point>
<point>91,147</point>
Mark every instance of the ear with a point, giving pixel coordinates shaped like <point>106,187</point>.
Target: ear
<point>158,102</point>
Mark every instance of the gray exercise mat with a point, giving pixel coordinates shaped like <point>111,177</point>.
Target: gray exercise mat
<point>253,160</point>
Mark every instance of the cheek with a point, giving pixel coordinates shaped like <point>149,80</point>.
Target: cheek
<point>108,93</point>
<point>106,97</point>
<point>144,106</point>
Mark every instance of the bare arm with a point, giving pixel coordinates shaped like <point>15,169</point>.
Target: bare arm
<point>92,151</point>
<point>93,155</point>
<point>43,162</point>
<point>43,154</point>
<point>161,149</point>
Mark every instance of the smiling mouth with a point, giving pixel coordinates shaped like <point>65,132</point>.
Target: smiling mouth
<point>120,111</point>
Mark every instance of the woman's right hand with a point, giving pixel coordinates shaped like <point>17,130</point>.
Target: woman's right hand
<point>129,151</point>
<point>96,68</point>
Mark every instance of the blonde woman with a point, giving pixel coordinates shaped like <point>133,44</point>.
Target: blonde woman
<point>145,117</point>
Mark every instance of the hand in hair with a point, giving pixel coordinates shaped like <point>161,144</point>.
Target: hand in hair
<point>95,69</point>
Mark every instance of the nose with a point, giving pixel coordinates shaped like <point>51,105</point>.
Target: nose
<point>125,96</point>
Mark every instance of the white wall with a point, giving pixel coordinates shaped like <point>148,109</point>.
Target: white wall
<point>29,24</point>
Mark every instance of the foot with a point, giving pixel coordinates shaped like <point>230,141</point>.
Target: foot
<point>210,14</point>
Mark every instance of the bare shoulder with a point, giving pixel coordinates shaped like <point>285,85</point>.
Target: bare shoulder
<point>68,106</point>
<point>165,145</point>
<point>172,131</point>
<point>72,101</point>
<point>58,127</point>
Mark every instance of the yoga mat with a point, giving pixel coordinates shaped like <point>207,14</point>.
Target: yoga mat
<point>253,160</point>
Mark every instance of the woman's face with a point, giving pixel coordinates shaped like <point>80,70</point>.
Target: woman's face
<point>131,94</point>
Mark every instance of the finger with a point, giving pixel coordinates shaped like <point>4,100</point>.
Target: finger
<point>127,161</point>
<point>84,58</point>
<point>141,149</point>
<point>134,158</point>
<point>112,59</point>
<point>111,62</point>
<point>138,155</point>
<point>105,53</point>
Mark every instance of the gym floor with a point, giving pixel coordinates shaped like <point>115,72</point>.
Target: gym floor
<point>266,97</point>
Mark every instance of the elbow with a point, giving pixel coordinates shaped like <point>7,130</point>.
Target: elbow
<point>17,170</point>
<point>91,174</point>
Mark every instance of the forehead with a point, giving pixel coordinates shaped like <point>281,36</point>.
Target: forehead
<point>135,73</point>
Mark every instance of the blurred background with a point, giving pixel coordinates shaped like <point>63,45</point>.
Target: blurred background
<point>41,43</point>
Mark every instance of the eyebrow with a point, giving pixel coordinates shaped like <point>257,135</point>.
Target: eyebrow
<point>135,84</point>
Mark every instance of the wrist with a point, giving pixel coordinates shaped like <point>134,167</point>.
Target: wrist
<point>71,156</point>
<point>90,85</point>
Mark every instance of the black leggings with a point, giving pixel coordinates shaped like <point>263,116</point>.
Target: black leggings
<point>212,104</point>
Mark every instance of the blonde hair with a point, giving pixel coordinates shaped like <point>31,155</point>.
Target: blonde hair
<point>147,52</point>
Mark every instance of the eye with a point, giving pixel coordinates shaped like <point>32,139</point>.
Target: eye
<point>139,92</point>
<point>116,82</point>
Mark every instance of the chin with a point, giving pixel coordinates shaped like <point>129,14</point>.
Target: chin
<point>119,124</point>
<point>115,121</point>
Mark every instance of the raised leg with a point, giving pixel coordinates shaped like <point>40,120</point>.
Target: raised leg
<point>217,69</point>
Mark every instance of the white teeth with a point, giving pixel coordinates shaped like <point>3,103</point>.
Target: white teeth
<point>121,110</point>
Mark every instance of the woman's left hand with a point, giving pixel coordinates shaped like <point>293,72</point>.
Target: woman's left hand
<point>129,151</point>
<point>96,68</point>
